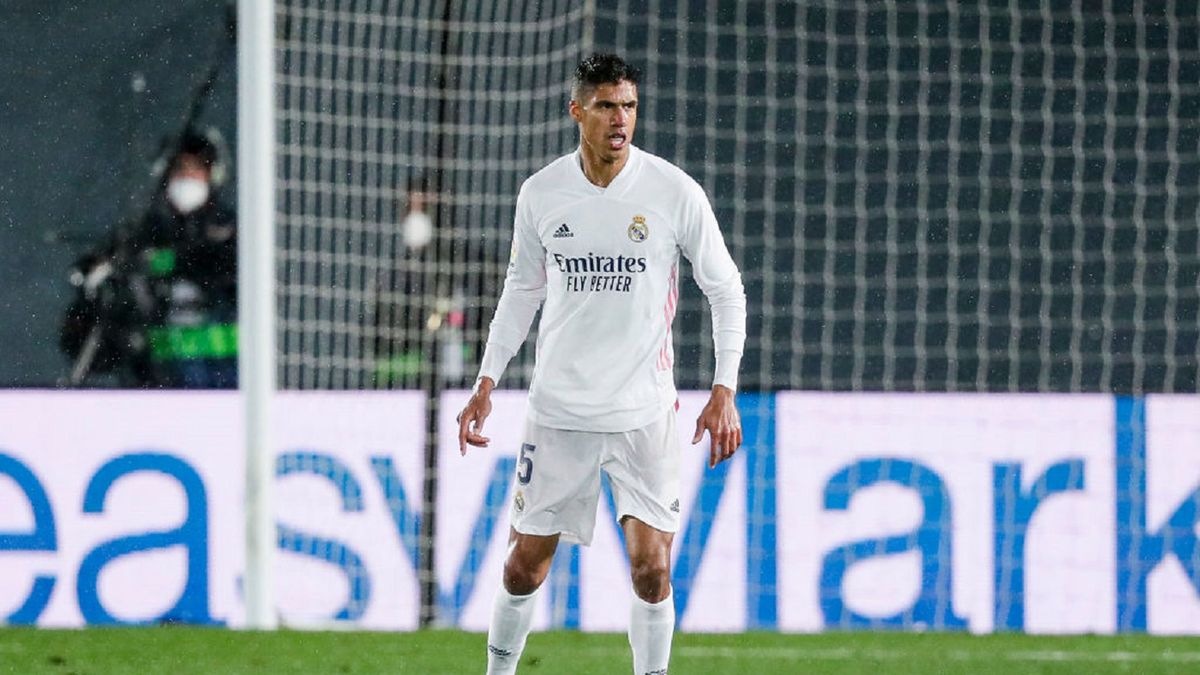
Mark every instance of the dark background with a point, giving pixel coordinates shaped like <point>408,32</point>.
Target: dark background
<point>939,196</point>
<point>79,141</point>
<point>919,199</point>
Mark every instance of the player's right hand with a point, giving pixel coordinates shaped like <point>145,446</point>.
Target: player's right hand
<point>470,420</point>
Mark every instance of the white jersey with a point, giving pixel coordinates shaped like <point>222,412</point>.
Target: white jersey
<point>605,261</point>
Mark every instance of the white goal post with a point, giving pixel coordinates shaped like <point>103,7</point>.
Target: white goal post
<point>256,294</point>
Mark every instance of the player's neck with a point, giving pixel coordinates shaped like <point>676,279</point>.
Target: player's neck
<point>601,171</point>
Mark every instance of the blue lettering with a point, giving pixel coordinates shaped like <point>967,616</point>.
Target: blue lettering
<point>452,603</point>
<point>934,606</point>
<point>42,538</point>
<point>1139,551</point>
<point>328,550</point>
<point>1014,510</point>
<point>564,587</point>
<point>192,606</point>
<point>695,535</point>
<point>406,519</point>
<point>758,426</point>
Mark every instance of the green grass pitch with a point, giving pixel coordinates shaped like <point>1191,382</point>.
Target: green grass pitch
<point>180,650</point>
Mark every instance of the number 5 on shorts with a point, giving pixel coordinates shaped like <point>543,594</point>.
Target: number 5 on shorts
<point>525,464</point>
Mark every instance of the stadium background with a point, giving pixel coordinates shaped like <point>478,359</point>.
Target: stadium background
<point>1022,217</point>
<point>995,197</point>
<point>79,141</point>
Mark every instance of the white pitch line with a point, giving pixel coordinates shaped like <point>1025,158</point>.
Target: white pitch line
<point>1116,656</point>
<point>847,654</point>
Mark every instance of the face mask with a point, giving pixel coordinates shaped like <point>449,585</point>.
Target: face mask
<point>187,194</point>
<point>417,229</point>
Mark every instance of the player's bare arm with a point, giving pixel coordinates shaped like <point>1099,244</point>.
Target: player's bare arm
<point>724,425</point>
<point>473,415</point>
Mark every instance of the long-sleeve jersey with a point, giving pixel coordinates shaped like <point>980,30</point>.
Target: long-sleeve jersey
<point>605,261</point>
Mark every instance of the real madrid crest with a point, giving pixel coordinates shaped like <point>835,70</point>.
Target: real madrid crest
<point>638,230</point>
<point>519,501</point>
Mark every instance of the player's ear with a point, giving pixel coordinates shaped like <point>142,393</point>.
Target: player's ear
<point>576,110</point>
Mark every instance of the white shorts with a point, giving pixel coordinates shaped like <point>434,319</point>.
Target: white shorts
<point>557,485</point>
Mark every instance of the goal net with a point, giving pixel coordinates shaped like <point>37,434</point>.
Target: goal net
<point>940,196</point>
<point>921,197</point>
<point>406,130</point>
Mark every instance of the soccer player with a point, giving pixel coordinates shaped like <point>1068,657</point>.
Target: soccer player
<point>598,237</point>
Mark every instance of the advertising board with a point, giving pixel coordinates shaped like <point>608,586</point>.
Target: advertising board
<point>1036,513</point>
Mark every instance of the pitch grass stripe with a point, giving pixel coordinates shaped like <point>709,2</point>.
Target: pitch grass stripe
<point>847,654</point>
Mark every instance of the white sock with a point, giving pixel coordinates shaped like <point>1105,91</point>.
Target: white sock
<point>651,626</point>
<point>511,616</point>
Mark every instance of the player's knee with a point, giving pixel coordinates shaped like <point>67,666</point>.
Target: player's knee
<point>651,579</point>
<point>520,578</point>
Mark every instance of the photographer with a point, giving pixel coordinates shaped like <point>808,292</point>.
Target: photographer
<point>159,303</point>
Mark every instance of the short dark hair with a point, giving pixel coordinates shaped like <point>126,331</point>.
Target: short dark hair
<point>196,144</point>
<point>599,69</point>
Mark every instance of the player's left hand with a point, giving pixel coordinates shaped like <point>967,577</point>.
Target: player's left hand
<point>720,417</point>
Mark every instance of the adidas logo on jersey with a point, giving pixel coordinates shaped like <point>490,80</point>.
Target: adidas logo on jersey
<point>563,231</point>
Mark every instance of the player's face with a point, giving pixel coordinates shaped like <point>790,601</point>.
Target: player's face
<point>606,116</point>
